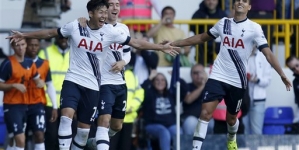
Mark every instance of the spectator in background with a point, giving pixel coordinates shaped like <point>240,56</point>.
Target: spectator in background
<point>293,63</point>
<point>143,62</point>
<point>138,9</point>
<point>123,139</point>
<point>259,77</point>
<point>37,97</point>
<point>208,9</point>
<point>58,56</point>
<point>263,10</point>
<point>192,102</point>
<point>165,30</point>
<point>2,55</point>
<point>158,110</point>
<point>16,73</point>
<point>288,10</point>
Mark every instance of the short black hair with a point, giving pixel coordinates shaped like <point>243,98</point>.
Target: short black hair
<point>96,4</point>
<point>165,8</point>
<point>248,2</point>
<point>289,59</point>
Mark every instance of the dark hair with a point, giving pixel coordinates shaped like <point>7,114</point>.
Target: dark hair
<point>289,59</point>
<point>249,1</point>
<point>96,4</point>
<point>29,40</point>
<point>165,8</point>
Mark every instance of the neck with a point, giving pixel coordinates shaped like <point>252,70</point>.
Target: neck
<point>91,25</point>
<point>239,17</point>
<point>19,58</point>
<point>32,57</point>
<point>113,22</point>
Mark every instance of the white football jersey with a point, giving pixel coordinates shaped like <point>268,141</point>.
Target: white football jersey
<point>88,51</point>
<point>114,54</point>
<point>237,42</point>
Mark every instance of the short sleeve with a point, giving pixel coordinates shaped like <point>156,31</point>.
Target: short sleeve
<point>66,30</point>
<point>260,38</point>
<point>126,48</point>
<point>120,37</point>
<point>214,32</point>
<point>5,70</point>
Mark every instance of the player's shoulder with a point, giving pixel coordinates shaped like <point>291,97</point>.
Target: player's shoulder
<point>121,25</point>
<point>222,20</point>
<point>253,24</point>
<point>28,61</point>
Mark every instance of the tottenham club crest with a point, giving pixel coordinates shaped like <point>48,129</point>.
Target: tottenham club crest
<point>101,33</point>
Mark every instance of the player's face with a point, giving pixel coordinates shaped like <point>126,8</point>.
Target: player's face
<point>159,82</point>
<point>242,6</point>
<point>98,16</point>
<point>32,47</point>
<point>19,47</point>
<point>113,10</point>
<point>294,66</point>
<point>198,74</point>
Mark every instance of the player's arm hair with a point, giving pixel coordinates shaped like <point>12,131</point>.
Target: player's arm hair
<point>41,34</point>
<point>144,45</point>
<point>193,40</point>
<point>273,61</point>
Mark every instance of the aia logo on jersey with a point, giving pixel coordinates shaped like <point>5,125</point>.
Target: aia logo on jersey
<point>115,46</point>
<point>235,43</point>
<point>90,45</point>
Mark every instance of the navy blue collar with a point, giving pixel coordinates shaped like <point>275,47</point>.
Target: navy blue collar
<point>240,21</point>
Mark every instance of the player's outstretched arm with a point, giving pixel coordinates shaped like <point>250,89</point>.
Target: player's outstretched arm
<point>193,40</point>
<point>144,45</point>
<point>41,34</point>
<point>274,63</point>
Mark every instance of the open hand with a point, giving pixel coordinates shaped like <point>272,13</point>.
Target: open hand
<point>171,50</point>
<point>82,21</point>
<point>20,87</point>
<point>287,83</point>
<point>15,37</point>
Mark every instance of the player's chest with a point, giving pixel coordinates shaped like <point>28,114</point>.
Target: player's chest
<point>94,42</point>
<point>236,37</point>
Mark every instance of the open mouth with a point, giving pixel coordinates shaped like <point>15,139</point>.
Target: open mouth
<point>102,21</point>
<point>114,13</point>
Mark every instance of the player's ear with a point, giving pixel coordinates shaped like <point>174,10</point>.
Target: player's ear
<point>90,14</point>
<point>249,7</point>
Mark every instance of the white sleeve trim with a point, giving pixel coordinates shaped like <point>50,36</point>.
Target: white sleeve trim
<point>52,93</point>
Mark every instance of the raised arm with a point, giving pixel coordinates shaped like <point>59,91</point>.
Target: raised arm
<point>41,34</point>
<point>144,45</point>
<point>193,40</point>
